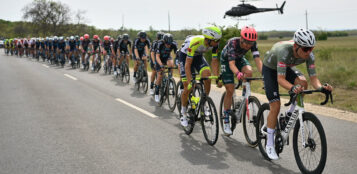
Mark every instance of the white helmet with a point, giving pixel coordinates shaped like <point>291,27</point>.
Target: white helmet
<point>304,38</point>
<point>71,38</point>
<point>55,38</point>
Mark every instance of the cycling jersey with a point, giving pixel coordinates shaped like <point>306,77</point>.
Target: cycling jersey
<point>55,44</point>
<point>194,46</point>
<point>116,45</point>
<point>140,46</point>
<point>96,44</point>
<point>164,52</point>
<point>281,56</point>
<point>37,43</point>
<point>85,43</point>
<point>107,47</point>
<point>233,52</point>
<point>123,47</point>
<point>62,46</point>
<point>72,45</point>
<point>42,45</point>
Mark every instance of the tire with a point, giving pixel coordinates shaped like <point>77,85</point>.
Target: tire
<point>310,118</point>
<point>162,93</point>
<point>262,138</point>
<point>179,90</point>
<point>126,73</point>
<point>250,124</point>
<point>144,82</point>
<point>233,120</point>
<point>171,94</point>
<point>209,122</point>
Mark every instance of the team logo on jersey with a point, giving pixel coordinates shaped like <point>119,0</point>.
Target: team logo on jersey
<point>281,65</point>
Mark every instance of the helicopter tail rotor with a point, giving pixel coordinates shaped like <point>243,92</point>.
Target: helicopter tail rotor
<point>282,8</point>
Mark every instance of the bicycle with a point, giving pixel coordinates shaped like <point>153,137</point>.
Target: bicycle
<point>168,88</point>
<point>107,64</point>
<point>245,107</point>
<point>96,62</point>
<point>296,118</point>
<point>86,62</point>
<point>124,72</point>
<point>142,77</point>
<point>202,108</point>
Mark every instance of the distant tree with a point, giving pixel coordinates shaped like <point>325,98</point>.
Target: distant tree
<point>47,16</point>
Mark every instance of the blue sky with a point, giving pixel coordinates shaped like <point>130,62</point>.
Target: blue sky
<point>140,14</point>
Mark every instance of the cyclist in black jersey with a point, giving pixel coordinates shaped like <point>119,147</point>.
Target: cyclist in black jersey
<point>140,51</point>
<point>163,57</point>
<point>116,53</point>
<point>159,36</point>
<point>85,45</point>
<point>124,49</point>
<point>96,48</point>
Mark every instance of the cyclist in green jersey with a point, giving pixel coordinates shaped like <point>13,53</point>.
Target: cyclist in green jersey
<point>279,69</point>
<point>191,57</point>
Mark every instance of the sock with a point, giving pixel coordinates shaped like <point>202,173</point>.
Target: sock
<point>183,110</point>
<point>134,74</point>
<point>157,89</point>
<point>226,115</point>
<point>270,137</point>
<point>152,85</point>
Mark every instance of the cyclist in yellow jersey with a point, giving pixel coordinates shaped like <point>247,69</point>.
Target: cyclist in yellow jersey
<point>191,57</point>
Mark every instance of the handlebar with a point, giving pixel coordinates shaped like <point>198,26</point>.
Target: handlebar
<point>248,79</point>
<point>328,95</point>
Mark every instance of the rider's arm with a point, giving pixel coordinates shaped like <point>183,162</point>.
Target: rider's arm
<point>259,64</point>
<point>233,67</point>
<point>256,57</point>
<point>158,60</point>
<point>147,50</point>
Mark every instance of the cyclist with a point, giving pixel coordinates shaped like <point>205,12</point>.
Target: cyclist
<point>163,57</point>
<point>62,49</point>
<point>42,47</point>
<point>234,64</point>
<point>95,48</point>
<point>26,45</point>
<point>84,47</point>
<point>49,49</point>
<point>159,36</point>
<point>32,47</point>
<point>72,44</point>
<point>107,49</point>
<point>279,69</point>
<point>20,47</point>
<point>116,53</point>
<point>6,46</point>
<point>140,51</point>
<point>191,56</point>
<point>124,49</point>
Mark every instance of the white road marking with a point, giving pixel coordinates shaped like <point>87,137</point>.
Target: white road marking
<point>45,65</point>
<point>137,108</point>
<point>69,76</point>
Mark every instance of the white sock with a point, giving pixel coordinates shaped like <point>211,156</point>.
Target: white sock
<point>183,110</point>
<point>270,137</point>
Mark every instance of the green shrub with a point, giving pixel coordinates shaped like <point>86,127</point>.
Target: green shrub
<point>321,35</point>
<point>263,37</point>
<point>324,54</point>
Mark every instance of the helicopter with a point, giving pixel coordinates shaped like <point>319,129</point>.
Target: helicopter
<point>246,9</point>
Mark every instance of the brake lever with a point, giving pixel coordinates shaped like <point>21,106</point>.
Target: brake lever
<point>292,98</point>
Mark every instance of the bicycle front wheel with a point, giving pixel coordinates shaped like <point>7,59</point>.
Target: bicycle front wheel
<point>250,113</point>
<point>171,94</point>
<point>209,121</point>
<point>312,157</point>
<point>144,82</point>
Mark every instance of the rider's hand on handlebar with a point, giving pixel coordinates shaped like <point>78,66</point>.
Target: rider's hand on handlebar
<point>240,75</point>
<point>327,87</point>
<point>296,89</point>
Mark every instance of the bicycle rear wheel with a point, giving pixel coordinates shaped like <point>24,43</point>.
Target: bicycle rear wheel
<point>261,124</point>
<point>233,119</point>
<point>144,82</point>
<point>171,94</point>
<point>209,121</point>
<point>250,120</point>
<point>312,158</point>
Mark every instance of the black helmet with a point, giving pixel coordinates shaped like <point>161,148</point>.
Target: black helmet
<point>119,37</point>
<point>168,39</point>
<point>125,36</point>
<point>142,34</point>
<point>159,35</point>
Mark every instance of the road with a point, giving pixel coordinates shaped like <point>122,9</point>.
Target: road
<point>59,120</point>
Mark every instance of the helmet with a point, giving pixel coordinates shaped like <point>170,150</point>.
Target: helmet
<point>119,37</point>
<point>125,36</point>
<point>142,34</point>
<point>249,33</point>
<point>77,37</point>
<point>95,37</point>
<point>304,38</point>
<point>71,38</point>
<point>86,36</point>
<point>168,39</point>
<point>81,38</point>
<point>51,39</point>
<point>55,38</point>
<point>159,35</point>
<point>47,38</point>
<point>106,37</point>
<point>213,33</point>
<point>61,38</point>
<point>111,39</point>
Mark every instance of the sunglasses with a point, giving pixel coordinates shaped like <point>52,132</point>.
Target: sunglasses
<point>307,49</point>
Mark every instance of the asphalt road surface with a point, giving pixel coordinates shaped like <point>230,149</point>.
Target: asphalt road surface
<point>59,120</point>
